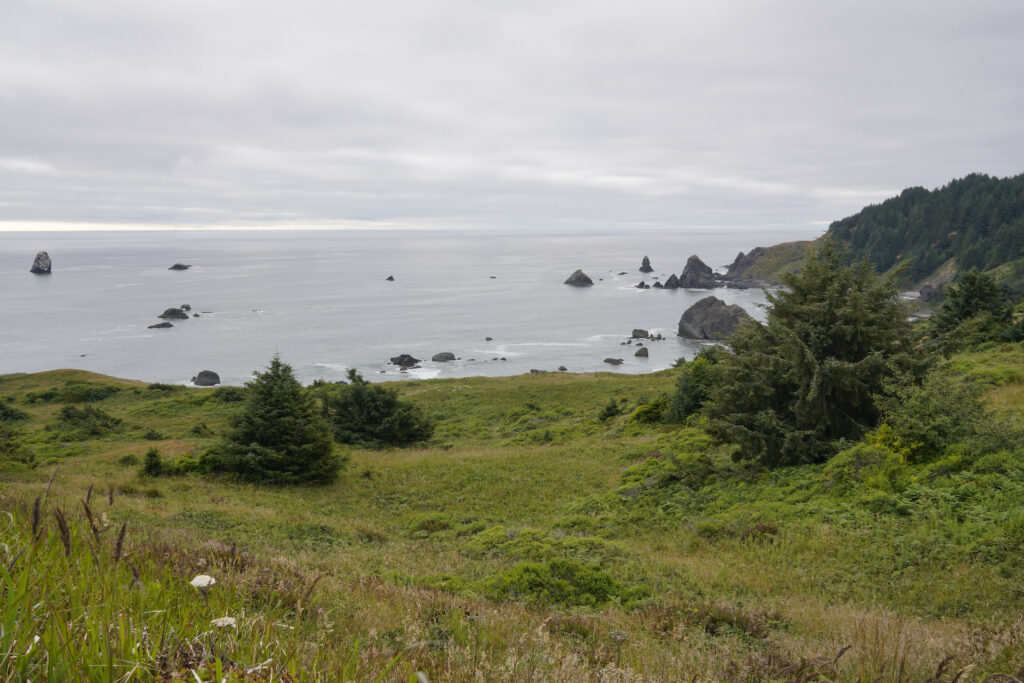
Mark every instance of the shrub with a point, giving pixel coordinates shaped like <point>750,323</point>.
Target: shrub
<point>561,582</point>
<point>924,418</point>
<point>153,435</point>
<point>73,392</point>
<point>279,437</point>
<point>371,415</point>
<point>86,421</point>
<point>152,464</point>
<point>610,410</point>
<point>12,450</point>
<point>10,414</point>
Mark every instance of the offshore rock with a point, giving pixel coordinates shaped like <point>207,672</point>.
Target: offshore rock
<point>180,266</point>
<point>645,265</point>
<point>672,282</point>
<point>206,378</point>
<point>579,279</point>
<point>174,314</point>
<point>159,326</point>
<point>42,264</point>
<point>711,318</point>
<point>404,361</point>
<point>697,275</point>
<point>443,357</point>
<point>641,352</point>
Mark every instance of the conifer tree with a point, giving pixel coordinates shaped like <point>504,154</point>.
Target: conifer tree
<point>280,436</point>
<point>807,377</point>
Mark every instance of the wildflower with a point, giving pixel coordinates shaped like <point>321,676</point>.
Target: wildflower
<point>203,581</point>
<point>224,622</point>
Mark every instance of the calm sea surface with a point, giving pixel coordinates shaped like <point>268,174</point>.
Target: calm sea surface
<point>320,299</point>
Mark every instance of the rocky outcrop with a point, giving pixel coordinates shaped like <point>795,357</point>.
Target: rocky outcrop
<point>159,326</point>
<point>613,361</point>
<point>927,293</point>
<point>206,378</point>
<point>174,314</point>
<point>641,334</point>
<point>658,285</point>
<point>405,361</point>
<point>641,352</point>
<point>390,278</point>
<point>42,264</point>
<point>579,279</point>
<point>180,266</point>
<point>672,282</point>
<point>645,265</point>
<point>711,318</point>
<point>443,357</point>
<point>562,368</point>
<point>643,285</point>
<point>697,275</point>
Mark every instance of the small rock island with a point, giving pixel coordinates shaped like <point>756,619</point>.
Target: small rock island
<point>579,279</point>
<point>42,264</point>
<point>711,319</point>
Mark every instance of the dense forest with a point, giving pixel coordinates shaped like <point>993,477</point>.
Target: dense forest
<point>978,221</point>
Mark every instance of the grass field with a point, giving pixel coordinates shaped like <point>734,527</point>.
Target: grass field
<point>529,540</point>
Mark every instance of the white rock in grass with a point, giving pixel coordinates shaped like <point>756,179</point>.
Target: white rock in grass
<point>224,622</point>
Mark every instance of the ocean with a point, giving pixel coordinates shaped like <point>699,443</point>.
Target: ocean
<point>320,299</point>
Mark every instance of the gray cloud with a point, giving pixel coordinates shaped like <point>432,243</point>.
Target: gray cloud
<point>575,113</point>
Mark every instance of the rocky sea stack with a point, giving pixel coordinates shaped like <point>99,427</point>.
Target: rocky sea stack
<point>645,266</point>
<point>697,275</point>
<point>711,318</point>
<point>42,264</point>
<point>206,378</point>
<point>579,279</point>
<point>443,357</point>
<point>405,361</point>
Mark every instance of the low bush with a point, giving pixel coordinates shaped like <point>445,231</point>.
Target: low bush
<point>73,392</point>
<point>10,414</point>
<point>86,422</point>
<point>371,415</point>
<point>561,582</point>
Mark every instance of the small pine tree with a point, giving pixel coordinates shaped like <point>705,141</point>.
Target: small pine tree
<point>279,437</point>
<point>152,465</point>
<point>370,415</point>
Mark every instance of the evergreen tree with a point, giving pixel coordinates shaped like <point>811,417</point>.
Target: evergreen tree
<point>371,415</point>
<point>972,293</point>
<point>280,437</point>
<point>790,388</point>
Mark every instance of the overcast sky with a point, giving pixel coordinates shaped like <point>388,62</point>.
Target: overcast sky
<point>552,114</point>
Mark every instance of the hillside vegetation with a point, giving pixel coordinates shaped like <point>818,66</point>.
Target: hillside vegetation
<point>536,536</point>
<point>975,222</point>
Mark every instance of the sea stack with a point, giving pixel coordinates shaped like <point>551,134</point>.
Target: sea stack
<point>206,378</point>
<point>712,319</point>
<point>697,275</point>
<point>42,264</point>
<point>645,265</point>
<point>579,279</point>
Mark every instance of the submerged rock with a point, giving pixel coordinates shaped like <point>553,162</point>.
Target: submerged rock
<point>613,361</point>
<point>390,278</point>
<point>206,378</point>
<point>643,285</point>
<point>697,275</point>
<point>443,357</point>
<point>711,318</point>
<point>180,266</point>
<point>645,265</point>
<point>159,326</point>
<point>42,264</point>
<point>579,279</point>
<point>405,360</point>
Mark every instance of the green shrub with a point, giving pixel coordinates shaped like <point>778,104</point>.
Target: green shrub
<point>428,524</point>
<point>278,437</point>
<point>86,422</point>
<point>610,410</point>
<point>228,395</point>
<point>371,415</point>
<point>153,435</point>
<point>12,448</point>
<point>73,392</point>
<point>152,464</point>
<point>10,414</point>
<point>849,469</point>
<point>561,582</point>
<point>128,460</point>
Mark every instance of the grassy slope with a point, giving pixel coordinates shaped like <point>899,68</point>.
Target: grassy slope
<point>752,576</point>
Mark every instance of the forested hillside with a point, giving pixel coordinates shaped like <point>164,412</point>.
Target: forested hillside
<point>978,221</point>
<point>974,222</point>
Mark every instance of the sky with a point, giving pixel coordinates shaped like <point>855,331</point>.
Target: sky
<point>590,115</point>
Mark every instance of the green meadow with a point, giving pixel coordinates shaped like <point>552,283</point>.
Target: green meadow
<point>545,532</point>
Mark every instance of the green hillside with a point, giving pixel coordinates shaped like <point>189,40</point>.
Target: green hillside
<point>540,535</point>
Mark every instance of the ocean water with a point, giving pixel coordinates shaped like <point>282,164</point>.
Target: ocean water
<point>320,299</point>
